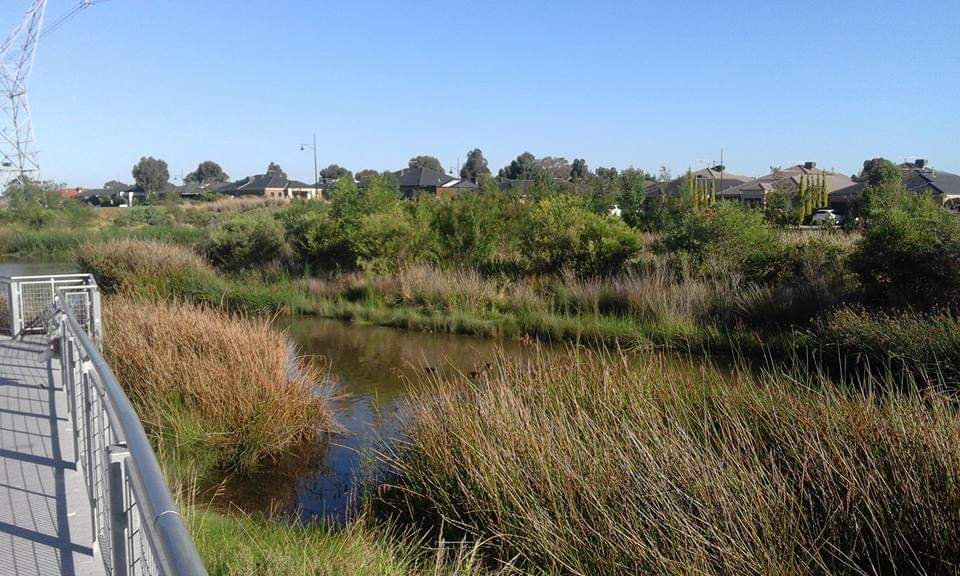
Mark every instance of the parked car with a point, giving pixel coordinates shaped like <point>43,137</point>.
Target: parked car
<point>825,217</point>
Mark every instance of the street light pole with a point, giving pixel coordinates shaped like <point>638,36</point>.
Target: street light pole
<point>316,169</point>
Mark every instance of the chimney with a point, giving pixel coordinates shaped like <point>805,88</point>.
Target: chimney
<point>920,163</point>
<point>809,165</point>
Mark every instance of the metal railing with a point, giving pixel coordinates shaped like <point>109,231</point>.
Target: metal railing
<point>25,302</point>
<point>137,525</point>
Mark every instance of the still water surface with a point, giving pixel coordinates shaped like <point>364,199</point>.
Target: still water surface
<point>374,367</point>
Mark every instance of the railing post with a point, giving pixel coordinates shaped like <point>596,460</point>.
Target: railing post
<point>89,473</point>
<point>14,308</point>
<point>96,330</point>
<point>117,477</point>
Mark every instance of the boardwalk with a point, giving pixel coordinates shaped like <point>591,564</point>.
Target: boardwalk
<point>45,521</point>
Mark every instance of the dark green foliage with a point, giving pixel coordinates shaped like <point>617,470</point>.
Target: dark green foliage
<point>335,172</point>
<point>245,241</point>
<point>207,172</point>
<point>579,170</point>
<point>151,175</point>
<point>364,176</point>
<point>425,161</point>
<point>475,167</point>
<point>910,252</point>
<point>275,169</point>
<point>115,186</point>
<point>524,167</point>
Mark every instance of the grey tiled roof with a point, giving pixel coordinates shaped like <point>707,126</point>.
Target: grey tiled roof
<point>420,178</point>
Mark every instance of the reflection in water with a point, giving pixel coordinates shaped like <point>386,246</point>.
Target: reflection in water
<point>373,366</point>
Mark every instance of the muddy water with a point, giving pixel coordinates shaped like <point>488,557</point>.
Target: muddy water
<point>373,366</point>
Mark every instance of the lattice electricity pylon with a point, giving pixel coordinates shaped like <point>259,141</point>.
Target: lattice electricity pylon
<point>18,153</point>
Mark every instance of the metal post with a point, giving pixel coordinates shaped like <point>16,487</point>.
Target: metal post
<point>316,170</point>
<point>117,487</point>
<point>14,308</point>
<point>96,329</point>
<point>88,441</point>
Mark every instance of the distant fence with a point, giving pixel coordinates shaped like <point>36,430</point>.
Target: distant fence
<point>137,526</point>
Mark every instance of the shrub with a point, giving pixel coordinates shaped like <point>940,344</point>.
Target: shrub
<point>316,237</point>
<point>224,390</point>
<point>615,465</point>
<point>563,233</point>
<point>910,255</point>
<point>467,227</point>
<point>727,239</point>
<point>392,239</point>
<point>245,241</point>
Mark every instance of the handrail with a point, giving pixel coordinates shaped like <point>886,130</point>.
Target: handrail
<point>173,549</point>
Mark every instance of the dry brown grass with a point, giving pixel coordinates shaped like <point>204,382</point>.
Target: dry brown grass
<point>226,390</point>
<point>610,466</point>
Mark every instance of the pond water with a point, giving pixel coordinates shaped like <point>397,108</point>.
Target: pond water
<point>14,268</point>
<point>373,366</point>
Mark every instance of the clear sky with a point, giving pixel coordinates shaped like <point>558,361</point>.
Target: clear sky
<point>618,83</point>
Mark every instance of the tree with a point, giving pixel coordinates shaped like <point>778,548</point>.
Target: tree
<point>275,170</point>
<point>151,175</point>
<point>579,170</point>
<point>524,167</point>
<point>475,167</point>
<point>364,176</point>
<point>115,186</point>
<point>606,173</point>
<point>884,184</point>
<point>207,172</point>
<point>554,167</point>
<point>335,172</point>
<point>426,162</point>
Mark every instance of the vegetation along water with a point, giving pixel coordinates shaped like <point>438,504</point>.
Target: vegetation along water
<point>693,386</point>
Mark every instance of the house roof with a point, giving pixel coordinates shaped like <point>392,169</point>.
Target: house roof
<point>759,187</point>
<point>724,181</point>
<point>421,177</point>
<point>253,184</point>
<point>918,179</point>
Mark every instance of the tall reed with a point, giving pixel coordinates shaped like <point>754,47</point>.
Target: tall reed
<point>227,391</point>
<point>604,465</point>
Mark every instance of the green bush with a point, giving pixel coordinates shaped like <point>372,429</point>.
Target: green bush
<point>467,227</point>
<point>910,254</point>
<point>144,216</point>
<point>563,233</point>
<point>392,239</point>
<point>316,238</point>
<point>727,239</point>
<point>245,241</point>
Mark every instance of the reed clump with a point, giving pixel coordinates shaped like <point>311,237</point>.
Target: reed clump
<point>599,465</point>
<point>226,392</point>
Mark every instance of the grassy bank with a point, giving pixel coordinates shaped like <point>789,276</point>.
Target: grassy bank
<point>61,244</point>
<point>616,467</point>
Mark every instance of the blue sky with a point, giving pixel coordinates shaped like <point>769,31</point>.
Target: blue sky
<point>618,83</point>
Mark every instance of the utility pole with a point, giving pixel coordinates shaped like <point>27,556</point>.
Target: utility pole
<point>316,168</point>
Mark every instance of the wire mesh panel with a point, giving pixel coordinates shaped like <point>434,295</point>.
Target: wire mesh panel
<point>5,318</point>
<point>35,298</point>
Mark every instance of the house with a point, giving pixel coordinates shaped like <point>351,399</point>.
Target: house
<point>269,186</point>
<point>918,178</point>
<point>944,187</point>
<point>415,181</point>
<point>757,191</point>
<point>716,177</point>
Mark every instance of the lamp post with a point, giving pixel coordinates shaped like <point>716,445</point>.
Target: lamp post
<point>316,171</point>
